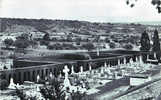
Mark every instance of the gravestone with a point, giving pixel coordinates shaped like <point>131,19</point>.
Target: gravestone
<point>119,62</point>
<point>98,53</point>
<point>102,70</point>
<point>37,78</point>
<point>12,85</point>
<point>66,80</point>
<point>51,75</point>
<point>72,70</point>
<point>105,64</point>
<point>131,61</point>
<point>125,60</point>
<point>136,59</point>
<point>81,69</point>
<point>90,67</point>
<point>155,56</point>
<point>140,59</point>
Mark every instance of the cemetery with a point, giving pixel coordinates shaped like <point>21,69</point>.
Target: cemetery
<point>93,83</point>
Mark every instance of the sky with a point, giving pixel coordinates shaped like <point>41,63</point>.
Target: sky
<point>84,10</point>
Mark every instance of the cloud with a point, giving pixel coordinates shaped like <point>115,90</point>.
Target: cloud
<point>91,10</point>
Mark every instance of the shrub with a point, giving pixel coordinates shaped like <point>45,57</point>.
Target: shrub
<point>3,84</point>
<point>128,46</point>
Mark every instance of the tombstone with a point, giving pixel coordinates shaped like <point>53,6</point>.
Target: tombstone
<point>105,64</point>
<point>155,56</point>
<point>51,75</point>
<point>90,67</point>
<point>140,59</point>
<point>18,85</point>
<point>102,70</point>
<point>98,53</point>
<point>125,60</point>
<point>60,75</point>
<point>12,85</point>
<point>131,61</point>
<point>66,80</point>
<point>119,62</point>
<point>81,69</point>
<point>37,89</point>
<point>72,70</point>
<point>108,71</point>
<point>109,65</point>
<point>136,59</point>
<point>37,78</point>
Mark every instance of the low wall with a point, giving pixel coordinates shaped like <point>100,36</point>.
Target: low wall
<point>148,90</point>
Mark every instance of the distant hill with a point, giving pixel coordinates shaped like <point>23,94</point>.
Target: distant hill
<point>13,25</point>
<point>150,23</point>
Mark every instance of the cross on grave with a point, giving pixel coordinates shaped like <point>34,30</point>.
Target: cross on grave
<point>66,70</point>
<point>66,80</point>
<point>72,70</point>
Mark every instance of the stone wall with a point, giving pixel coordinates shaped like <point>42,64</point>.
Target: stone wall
<point>149,90</point>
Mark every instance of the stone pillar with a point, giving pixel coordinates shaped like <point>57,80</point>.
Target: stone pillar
<point>22,75</point>
<point>31,76</point>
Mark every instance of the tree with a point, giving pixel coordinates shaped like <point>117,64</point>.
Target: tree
<point>46,37</point>
<point>8,42</point>
<point>3,84</point>
<point>112,45</point>
<point>128,46</point>
<point>145,42</point>
<point>156,44</point>
<point>88,46</point>
<point>156,3</point>
<point>23,36</point>
<point>21,43</point>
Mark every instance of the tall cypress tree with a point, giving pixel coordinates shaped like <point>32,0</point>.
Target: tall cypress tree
<point>156,44</point>
<point>145,42</point>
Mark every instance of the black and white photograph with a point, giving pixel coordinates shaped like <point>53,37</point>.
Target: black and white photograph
<point>80,50</point>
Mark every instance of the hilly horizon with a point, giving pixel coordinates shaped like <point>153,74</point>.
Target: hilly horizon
<point>14,25</point>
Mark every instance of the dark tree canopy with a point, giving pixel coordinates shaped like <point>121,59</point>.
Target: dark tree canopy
<point>88,46</point>
<point>8,42</point>
<point>156,3</point>
<point>156,44</point>
<point>46,37</point>
<point>145,42</point>
<point>21,43</point>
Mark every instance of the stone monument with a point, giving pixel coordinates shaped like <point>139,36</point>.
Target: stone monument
<point>105,64</point>
<point>37,78</point>
<point>90,67</point>
<point>66,80</point>
<point>72,70</point>
<point>98,53</point>
<point>124,60</point>
<point>81,69</point>
<point>12,85</point>
<point>119,62</point>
